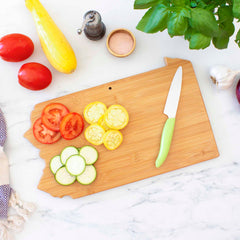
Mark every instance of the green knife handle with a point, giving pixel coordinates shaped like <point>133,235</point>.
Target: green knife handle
<point>166,140</point>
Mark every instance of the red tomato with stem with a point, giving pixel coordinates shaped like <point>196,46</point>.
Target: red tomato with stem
<point>52,115</point>
<point>43,134</point>
<point>34,76</point>
<point>71,126</point>
<point>15,47</point>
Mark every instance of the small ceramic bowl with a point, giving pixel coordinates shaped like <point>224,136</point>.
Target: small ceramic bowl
<point>121,42</point>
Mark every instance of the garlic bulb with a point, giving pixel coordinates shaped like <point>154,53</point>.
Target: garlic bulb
<point>222,76</point>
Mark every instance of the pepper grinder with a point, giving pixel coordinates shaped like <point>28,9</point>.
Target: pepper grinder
<point>93,26</point>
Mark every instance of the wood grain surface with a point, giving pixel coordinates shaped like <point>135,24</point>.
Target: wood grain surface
<point>144,97</point>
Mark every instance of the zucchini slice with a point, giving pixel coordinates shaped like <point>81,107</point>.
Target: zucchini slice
<point>88,176</point>
<point>89,153</point>
<point>94,134</point>
<point>55,164</point>
<point>63,177</point>
<point>116,117</point>
<point>93,111</point>
<point>67,152</point>
<point>75,164</point>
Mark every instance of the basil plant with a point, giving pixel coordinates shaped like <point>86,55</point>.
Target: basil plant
<point>199,21</point>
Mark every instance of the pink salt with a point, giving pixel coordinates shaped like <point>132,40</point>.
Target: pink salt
<point>121,43</point>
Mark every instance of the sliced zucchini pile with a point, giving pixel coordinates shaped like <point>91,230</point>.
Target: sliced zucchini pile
<point>75,164</point>
<point>105,124</point>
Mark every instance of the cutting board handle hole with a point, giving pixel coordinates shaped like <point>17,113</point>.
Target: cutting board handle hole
<point>110,88</point>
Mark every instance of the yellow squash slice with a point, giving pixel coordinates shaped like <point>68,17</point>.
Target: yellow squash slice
<point>94,134</point>
<point>112,139</point>
<point>116,117</point>
<point>102,123</point>
<point>94,111</point>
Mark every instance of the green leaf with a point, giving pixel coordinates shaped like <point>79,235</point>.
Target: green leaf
<point>178,2</point>
<point>226,29</point>
<point>201,5</point>
<point>154,20</point>
<point>143,4</point>
<point>188,34</point>
<point>225,14</point>
<point>199,41</point>
<point>185,12</point>
<point>211,7</point>
<point>178,22</point>
<point>203,21</point>
<point>220,42</point>
<point>193,4</point>
<point>238,38</point>
<point>236,8</point>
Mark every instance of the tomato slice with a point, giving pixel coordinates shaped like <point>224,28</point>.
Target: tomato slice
<point>71,126</point>
<point>52,115</point>
<point>43,134</point>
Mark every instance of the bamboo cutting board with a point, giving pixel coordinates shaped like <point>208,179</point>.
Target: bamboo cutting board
<point>144,97</point>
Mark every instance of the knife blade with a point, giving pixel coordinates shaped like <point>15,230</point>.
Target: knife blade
<point>170,110</point>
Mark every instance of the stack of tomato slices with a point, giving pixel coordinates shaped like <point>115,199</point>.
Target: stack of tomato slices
<point>55,122</point>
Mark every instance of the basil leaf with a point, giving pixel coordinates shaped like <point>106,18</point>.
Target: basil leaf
<point>220,42</point>
<point>143,4</point>
<point>199,41</point>
<point>204,22</point>
<point>185,12</point>
<point>226,29</point>
<point>225,14</point>
<point>202,4</point>
<point>193,4</point>
<point>188,34</point>
<point>178,23</point>
<point>179,2</point>
<point>236,8</point>
<point>154,20</point>
<point>210,7</point>
<point>238,38</point>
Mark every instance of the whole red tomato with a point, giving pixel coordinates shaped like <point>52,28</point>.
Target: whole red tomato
<point>15,47</point>
<point>34,76</point>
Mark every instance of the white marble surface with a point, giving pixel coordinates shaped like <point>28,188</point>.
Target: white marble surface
<point>197,202</point>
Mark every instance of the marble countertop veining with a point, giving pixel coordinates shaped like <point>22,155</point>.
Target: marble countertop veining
<point>198,202</point>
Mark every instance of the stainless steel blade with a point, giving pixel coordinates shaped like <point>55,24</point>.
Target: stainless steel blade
<point>171,104</point>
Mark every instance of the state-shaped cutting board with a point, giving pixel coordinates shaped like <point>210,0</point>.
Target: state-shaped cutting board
<point>144,97</point>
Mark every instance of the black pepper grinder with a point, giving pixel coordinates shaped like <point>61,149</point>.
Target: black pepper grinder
<point>93,26</point>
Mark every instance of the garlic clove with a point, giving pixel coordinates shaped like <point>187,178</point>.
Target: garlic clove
<point>222,76</point>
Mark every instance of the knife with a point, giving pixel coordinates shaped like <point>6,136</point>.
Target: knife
<point>170,110</point>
